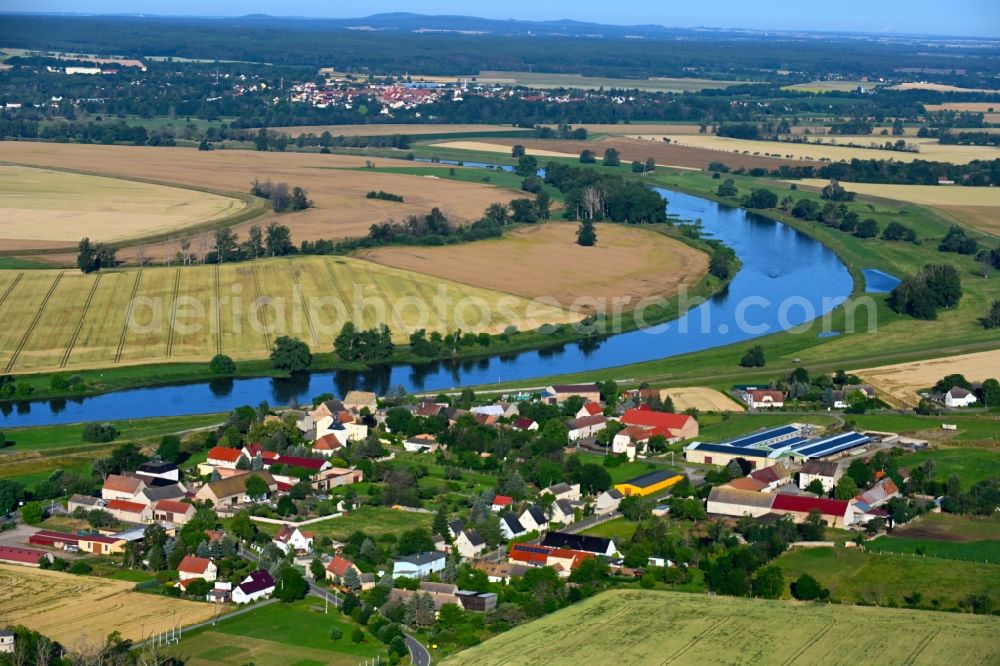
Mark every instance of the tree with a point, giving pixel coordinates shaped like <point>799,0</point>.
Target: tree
<point>351,579</point>
<point>169,448</point>
<point>278,240</point>
<point>336,634</point>
<point>807,588</point>
<point>861,473</point>
<point>226,244</point>
<point>815,487</point>
<point>753,358</point>
<point>292,585</point>
<point>867,229</point>
<point>990,393</point>
<point>11,494</point>
<point>992,318</point>
<point>413,541</point>
<point>86,259</point>
<point>222,365</point>
<point>256,487</point>
<point>32,513</point>
<point>586,235</point>
<point>290,354</point>
<point>769,583</point>
<point>440,524</point>
<point>834,192</point>
<point>846,488</point>
<point>727,188</point>
<point>587,157</point>
<point>253,246</point>
<point>611,157</point>
<point>650,164</point>
<point>517,151</point>
<point>761,198</point>
<point>527,165</point>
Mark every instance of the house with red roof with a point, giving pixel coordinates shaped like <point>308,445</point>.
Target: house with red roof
<point>25,557</point>
<point>836,513</point>
<point>763,399</point>
<point>524,423</point>
<point>590,409</point>
<point>501,503</point>
<point>223,456</point>
<point>121,487</point>
<point>337,568</point>
<point>328,445</point>
<point>130,512</point>
<point>673,427</point>
<point>292,539</point>
<point>563,560</point>
<point>192,567</point>
<point>173,511</point>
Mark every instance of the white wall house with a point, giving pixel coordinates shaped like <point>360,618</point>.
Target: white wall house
<point>959,397</point>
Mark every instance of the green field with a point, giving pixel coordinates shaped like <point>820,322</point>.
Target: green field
<point>970,427</point>
<point>296,634</point>
<point>619,529</point>
<point>854,576</point>
<point>973,551</point>
<point>947,536</point>
<point>32,454</point>
<point>61,320</point>
<point>970,465</point>
<point>375,521</point>
<point>545,80</point>
<point>647,627</point>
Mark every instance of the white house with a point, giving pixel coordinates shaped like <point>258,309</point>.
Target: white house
<point>607,502</point>
<point>292,539</point>
<point>533,519</point>
<point>586,426</point>
<point>824,471</point>
<point>511,527</point>
<point>6,641</point>
<point>959,397</point>
<point>563,490</point>
<point>421,444</point>
<point>763,399</point>
<point>469,544</point>
<point>563,511</point>
<point>418,565</point>
<point>589,409</point>
<point>197,567</point>
<point>258,585</point>
<point>501,503</point>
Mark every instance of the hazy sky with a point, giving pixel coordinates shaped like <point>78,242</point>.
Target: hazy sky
<point>954,17</point>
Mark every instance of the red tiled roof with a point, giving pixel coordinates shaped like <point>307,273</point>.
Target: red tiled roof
<point>25,555</point>
<point>649,418</point>
<point>523,423</point>
<point>758,395</point>
<point>172,506</point>
<point>593,408</point>
<point>123,505</point>
<point>122,484</point>
<point>327,443</point>
<point>801,504</point>
<point>338,566</point>
<point>224,453</point>
<point>305,463</point>
<point>519,553</point>
<point>193,564</point>
<point>503,500</point>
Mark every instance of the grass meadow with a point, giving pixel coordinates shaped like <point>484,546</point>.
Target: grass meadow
<point>652,627</point>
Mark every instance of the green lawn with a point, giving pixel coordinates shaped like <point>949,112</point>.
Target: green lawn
<point>619,529</point>
<point>970,465</point>
<point>970,427</point>
<point>45,438</point>
<point>297,633</point>
<point>972,551</point>
<point>375,521</point>
<point>855,576</point>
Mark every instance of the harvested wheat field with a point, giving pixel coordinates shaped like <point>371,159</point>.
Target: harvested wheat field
<point>939,87</point>
<point>341,209</point>
<point>67,320</point>
<point>990,111</point>
<point>903,380</point>
<point>641,628</point>
<point>978,207</point>
<point>42,204</point>
<point>929,149</point>
<point>390,129</point>
<point>701,398</point>
<point>632,148</point>
<point>545,261</point>
<point>83,610</point>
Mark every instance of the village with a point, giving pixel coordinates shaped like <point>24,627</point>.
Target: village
<point>234,524</point>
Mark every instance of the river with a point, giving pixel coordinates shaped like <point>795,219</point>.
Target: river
<point>787,279</point>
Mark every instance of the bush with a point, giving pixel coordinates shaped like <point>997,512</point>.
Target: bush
<point>222,365</point>
<point>336,634</point>
<point>357,636</point>
<point>762,199</point>
<point>80,568</point>
<point>807,588</point>
<point>753,358</point>
<point>99,432</point>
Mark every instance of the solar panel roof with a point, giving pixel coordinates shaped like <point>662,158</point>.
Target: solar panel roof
<point>731,450</point>
<point>834,444</point>
<point>763,436</point>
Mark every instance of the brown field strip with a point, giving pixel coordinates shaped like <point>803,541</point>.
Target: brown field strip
<point>81,611</point>
<point>338,191</point>
<point>903,380</point>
